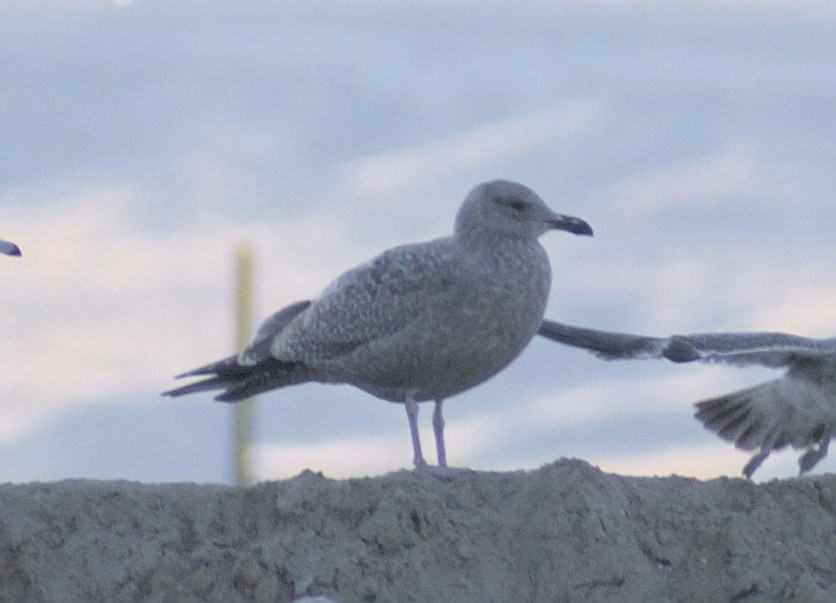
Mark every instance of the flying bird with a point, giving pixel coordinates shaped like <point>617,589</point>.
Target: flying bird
<point>419,322</point>
<point>797,410</point>
<point>8,248</point>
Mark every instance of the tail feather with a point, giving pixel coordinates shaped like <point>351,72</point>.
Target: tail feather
<point>718,412</point>
<point>793,411</point>
<point>267,376</point>
<point>227,366</point>
<point>242,381</point>
<point>198,386</point>
<point>736,425</point>
<point>751,437</point>
<point>737,418</point>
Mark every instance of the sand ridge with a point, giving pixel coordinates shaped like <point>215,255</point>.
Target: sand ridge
<point>564,532</point>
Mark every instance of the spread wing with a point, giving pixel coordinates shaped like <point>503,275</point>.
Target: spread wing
<point>797,410</point>
<point>773,350</point>
<point>605,344</point>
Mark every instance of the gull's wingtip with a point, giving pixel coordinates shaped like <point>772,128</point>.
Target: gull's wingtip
<point>8,248</point>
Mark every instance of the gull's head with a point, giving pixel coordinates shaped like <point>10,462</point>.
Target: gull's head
<point>513,209</point>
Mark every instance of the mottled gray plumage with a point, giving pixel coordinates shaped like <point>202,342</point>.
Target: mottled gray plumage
<point>8,248</point>
<point>420,322</point>
<point>797,410</point>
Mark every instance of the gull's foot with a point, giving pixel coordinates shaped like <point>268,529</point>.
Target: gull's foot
<point>809,459</point>
<point>754,463</point>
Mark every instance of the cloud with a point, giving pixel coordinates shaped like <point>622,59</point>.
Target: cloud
<point>52,9</point>
<point>357,455</point>
<point>660,289</point>
<point>55,9</point>
<point>474,438</point>
<point>702,461</point>
<point>100,309</point>
<point>724,292</point>
<point>735,172</point>
<point>705,461</point>
<point>471,439</point>
<point>219,167</point>
<point>802,9</point>
<point>590,401</point>
<point>81,325</point>
<point>798,9</point>
<point>657,254</point>
<point>804,309</point>
<point>472,148</point>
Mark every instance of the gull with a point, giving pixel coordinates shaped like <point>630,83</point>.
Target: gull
<point>419,322</point>
<point>797,410</point>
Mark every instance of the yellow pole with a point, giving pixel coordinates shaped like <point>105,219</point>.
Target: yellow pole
<point>242,417</point>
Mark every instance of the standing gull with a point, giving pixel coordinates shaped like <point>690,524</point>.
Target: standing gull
<point>420,322</point>
<point>8,248</point>
<point>797,410</point>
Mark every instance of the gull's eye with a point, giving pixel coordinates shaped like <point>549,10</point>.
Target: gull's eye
<point>518,205</point>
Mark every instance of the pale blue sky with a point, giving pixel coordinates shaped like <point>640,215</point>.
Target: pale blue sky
<point>142,143</point>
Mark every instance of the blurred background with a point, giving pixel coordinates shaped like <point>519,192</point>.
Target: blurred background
<point>143,141</point>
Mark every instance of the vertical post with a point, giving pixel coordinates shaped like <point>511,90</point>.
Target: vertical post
<point>242,411</point>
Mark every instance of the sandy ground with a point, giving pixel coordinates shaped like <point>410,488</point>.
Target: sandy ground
<point>565,532</point>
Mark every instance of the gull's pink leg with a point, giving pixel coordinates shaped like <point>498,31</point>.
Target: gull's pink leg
<point>412,415</point>
<point>438,429</point>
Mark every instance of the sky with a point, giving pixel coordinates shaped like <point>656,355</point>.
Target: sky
<point>144,141</point>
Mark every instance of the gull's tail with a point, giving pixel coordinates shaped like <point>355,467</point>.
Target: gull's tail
<point>256,370</point>
<point>771,416</point>
<point>242,381</point>
<point>744,418</point>
<point>739,418</point>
